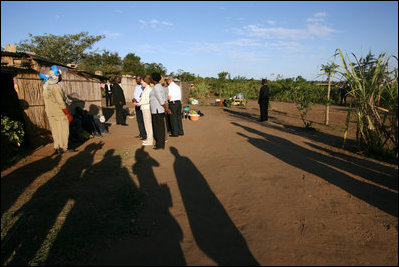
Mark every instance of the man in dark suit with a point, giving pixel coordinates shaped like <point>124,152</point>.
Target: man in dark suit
<point>263,101</point>
<point>119,101</point>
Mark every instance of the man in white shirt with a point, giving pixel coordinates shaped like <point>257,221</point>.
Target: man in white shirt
<point>139,114</point>
<point>108,94</point>
<point>174,97</point>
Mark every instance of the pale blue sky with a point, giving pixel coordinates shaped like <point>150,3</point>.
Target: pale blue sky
<point>252,39</point>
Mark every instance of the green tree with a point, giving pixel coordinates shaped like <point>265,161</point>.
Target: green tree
<point>329,70</point>
<point>154,67</point>
<point>69,48</point>
<point>222,75</point>
<point>186,76</point>
<point>109,63</point>
<point>132,65</point>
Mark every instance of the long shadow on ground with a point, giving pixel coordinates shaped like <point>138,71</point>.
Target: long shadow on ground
<point>83,205</point>
<point>318,164</point>
<point>212,228</point>
<point>311,134</point>
<point>14,183</point>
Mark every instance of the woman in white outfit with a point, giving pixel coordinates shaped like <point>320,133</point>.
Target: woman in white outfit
<point>145,108</point>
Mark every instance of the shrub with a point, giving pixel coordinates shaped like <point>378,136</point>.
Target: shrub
<point>374,88</point>
<point>12,136</point>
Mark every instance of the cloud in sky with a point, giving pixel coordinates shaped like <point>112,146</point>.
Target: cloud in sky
<point>119,11</point>
<point>238,45</point>
<point>153,23</point>
<point>112,35</point>
<point>314,28</point>
<point>317,18</point>
<point>311,31</point>
<point>320,14</point>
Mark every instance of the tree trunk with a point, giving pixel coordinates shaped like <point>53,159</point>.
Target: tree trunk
<point>328,100</point>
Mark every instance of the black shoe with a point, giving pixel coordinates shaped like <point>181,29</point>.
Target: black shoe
<point>174,135</point>
<point>181,133</point>
<point>123,124</point>
<point>158,148</point>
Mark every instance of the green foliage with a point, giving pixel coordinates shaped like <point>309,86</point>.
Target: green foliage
<point>69,48</point>
<point>12,136</point>
<point>200,90</point>
<point>222,75</point>
<point>186,76</point>
<point>107,62</point>
<point>302,95</point>
<point>132,65</point>
<point>374,88</point>
<point>329,68</point>
<point>154,67</point>
<point>228,102</point>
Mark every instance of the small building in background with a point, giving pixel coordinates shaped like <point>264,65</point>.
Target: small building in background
<point>21,91</point>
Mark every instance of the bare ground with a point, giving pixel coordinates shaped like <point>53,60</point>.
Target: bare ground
<point>231,191</point>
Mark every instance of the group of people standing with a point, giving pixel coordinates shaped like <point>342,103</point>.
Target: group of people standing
<point>157,103</point>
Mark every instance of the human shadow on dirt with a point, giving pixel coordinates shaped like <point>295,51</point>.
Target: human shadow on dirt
<point>212,228</point>
<point>14,183</point>
<point>106,204</point>
<point>374,172</point>
<point>36,222</point>
<point>162,247</point>
<point>310,134</point>
<point>318,164</point>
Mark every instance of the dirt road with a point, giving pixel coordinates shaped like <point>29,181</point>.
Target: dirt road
<point>234,191</point>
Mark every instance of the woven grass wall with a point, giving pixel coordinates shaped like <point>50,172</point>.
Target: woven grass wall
<point>83,89</point>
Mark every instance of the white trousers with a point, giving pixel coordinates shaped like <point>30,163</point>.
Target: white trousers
<point>148,125</point>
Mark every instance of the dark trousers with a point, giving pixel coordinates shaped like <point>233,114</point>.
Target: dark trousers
<point>176,124</point>
<point>108,99</point>
<point>120,114</point>
<point>158,127</point>
<point>343,97</point>
<point>167,122</point>
<point>264,112</point>
<point>140,123</point>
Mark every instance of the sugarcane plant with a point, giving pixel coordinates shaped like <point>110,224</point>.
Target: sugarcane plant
<point>374,88</point>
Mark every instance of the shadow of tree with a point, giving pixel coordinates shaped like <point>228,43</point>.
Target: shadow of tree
<point>318,164</point>
<point>213,230</point>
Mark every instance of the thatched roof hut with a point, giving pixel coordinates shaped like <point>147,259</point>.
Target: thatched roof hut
<point>21,91</point>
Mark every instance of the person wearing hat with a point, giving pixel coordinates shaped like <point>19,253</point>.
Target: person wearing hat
<point>158,107</point>
<point>55,107</point>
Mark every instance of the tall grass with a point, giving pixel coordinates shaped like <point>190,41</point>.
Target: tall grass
<point>374,89</point>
